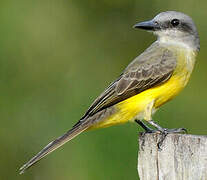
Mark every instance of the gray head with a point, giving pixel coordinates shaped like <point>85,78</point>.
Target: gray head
<point>173,27</point>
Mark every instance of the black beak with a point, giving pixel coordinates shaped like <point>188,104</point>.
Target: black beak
<point>147,25</point>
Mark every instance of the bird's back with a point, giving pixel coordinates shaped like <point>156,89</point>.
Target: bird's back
<point>135,107</point>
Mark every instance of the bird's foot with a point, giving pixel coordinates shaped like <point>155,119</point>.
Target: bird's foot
<point>164,132</point>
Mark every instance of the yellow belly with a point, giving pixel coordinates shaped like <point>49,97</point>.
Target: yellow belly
<point>135,107</point>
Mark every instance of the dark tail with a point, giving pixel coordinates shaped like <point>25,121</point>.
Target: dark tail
<point>76,130</point>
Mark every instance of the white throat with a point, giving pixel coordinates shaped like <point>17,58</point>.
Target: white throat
<point>170,41</point>
<point>177,38</point>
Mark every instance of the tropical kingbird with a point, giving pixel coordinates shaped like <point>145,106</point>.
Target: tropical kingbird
<point>150,80</point>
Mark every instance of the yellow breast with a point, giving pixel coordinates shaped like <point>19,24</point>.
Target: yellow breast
<point>135,107</point>
<point>162,93</point>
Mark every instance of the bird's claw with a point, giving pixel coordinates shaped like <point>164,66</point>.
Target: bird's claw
<point>164,132</point>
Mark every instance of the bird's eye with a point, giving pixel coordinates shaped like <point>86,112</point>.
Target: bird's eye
<point>175,22</point>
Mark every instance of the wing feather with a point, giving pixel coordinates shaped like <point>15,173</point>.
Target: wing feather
<point>151,68</point>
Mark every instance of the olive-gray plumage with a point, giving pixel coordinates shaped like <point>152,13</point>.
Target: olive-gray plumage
<point>153,67</point>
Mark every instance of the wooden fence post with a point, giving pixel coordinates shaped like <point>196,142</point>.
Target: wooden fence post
<point>183,157</point>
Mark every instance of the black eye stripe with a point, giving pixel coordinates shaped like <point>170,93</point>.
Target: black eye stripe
<point>175,22</point>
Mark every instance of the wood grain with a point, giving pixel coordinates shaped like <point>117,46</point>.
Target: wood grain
<point>183,157</point>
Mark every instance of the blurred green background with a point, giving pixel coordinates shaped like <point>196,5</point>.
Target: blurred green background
<point>55,58</point>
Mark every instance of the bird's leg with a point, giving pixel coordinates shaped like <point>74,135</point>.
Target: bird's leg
<point>147,116</point>
<point>159,128</point>
<point>145,127</point>
<point>165,131</point>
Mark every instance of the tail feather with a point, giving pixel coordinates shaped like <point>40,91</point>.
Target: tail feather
<point>54,145</point>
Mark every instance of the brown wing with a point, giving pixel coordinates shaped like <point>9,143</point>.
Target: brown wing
<point>150,69</point>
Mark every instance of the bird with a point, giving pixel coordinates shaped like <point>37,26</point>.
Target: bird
<point>153,78</point>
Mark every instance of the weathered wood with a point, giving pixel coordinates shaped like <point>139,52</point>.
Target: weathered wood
<point>183,157</point>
